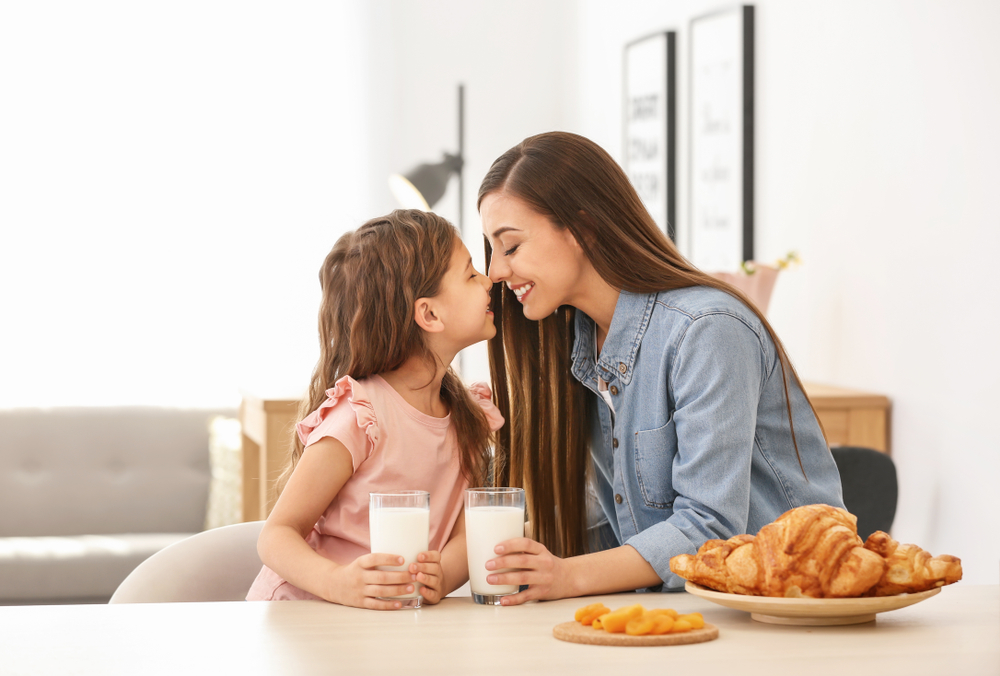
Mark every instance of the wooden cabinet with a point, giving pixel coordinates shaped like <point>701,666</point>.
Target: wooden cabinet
<point>852,417</point>
<point>849,418</point>
<point>267,435</point>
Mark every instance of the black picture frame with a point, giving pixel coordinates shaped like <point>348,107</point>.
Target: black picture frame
<point>721,149</point>
<point>649,124</point>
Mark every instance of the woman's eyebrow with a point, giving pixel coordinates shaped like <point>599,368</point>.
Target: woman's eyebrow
<point>506,228</point>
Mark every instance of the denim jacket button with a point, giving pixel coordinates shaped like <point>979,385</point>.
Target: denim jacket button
<point>614,390</point>
<point>618,498</point>
<point>622,368</point>
<point>614,442</point>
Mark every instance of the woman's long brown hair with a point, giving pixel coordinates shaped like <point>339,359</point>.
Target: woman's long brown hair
<point>544,446</point>
<point>371,279</point>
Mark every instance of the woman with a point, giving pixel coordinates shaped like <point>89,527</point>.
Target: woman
<point>696,423</point>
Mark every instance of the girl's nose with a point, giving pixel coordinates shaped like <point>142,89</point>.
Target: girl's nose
<point>486,282</point>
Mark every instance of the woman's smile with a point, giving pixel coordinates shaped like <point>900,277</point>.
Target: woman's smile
<point>521,290</point>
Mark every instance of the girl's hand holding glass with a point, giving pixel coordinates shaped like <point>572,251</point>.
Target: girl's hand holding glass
<point>428,572</point>
<point>360,583</point>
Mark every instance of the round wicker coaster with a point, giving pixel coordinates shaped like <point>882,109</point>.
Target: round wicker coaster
<point>574,632</point>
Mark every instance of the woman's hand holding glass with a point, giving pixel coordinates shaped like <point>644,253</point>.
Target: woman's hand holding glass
<point>545,574</point>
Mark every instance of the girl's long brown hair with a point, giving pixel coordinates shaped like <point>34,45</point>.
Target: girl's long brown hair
<point>544,446</point>
<point>371,279</point>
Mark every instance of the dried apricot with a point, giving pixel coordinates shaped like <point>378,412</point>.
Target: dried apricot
<point>615,621</point>
<point>681,626</point>
<point>585,610</point>
<point>635,620</point>
<point>662,624</point>
<point>694,619</point>
<point>594,613</point>
<point>639,626</point>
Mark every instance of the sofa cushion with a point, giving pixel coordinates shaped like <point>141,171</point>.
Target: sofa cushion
<point>67,569</point>
<point>86,471</point>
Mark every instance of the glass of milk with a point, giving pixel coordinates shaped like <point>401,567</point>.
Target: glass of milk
<point>492,515</point>
<point>399,523</point>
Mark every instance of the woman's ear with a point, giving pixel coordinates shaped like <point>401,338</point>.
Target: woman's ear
<point>426,317</point>
<point>571,239</point>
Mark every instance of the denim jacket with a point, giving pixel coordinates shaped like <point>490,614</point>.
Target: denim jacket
<point>699,445</point>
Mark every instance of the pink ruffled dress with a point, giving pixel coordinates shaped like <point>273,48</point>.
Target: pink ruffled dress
<point>394,447</point>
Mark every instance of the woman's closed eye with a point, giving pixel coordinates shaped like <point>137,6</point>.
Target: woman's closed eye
<point>511,250</point>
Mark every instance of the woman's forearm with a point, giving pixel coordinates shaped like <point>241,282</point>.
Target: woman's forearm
<point>528,562</point>
<point>613,570</point>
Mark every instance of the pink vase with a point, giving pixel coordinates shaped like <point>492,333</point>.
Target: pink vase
<point>758,286</point>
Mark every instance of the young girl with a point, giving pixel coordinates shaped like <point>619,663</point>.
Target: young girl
<point>400,299</point>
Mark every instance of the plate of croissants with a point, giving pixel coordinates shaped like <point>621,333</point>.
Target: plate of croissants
<point>809,567</point>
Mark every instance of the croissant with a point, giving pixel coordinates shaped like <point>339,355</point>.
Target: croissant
<point>909,568</point>
<point>815,551</point>
<point>809,551</point>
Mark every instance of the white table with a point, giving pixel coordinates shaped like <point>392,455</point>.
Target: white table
<point>955,632</point>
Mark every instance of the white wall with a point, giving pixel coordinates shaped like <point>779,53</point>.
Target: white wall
<point>516,60</point>
<point>877,160</point>
<point>171,177</point>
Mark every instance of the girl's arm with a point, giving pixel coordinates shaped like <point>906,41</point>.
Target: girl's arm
<point>454,560</point>
<point>322,471</point>
<point>550,577</point>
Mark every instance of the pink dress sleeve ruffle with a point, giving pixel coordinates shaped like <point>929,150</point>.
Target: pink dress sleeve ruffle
<point>363,415</point>
<point>484,396</point>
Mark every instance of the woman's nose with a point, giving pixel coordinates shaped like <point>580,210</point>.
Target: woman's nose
<point>498,270</point>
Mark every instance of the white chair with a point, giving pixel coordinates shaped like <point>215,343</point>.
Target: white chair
<point>214,565</point>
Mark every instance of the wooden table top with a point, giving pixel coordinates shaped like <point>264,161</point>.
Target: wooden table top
<point>954,632</point>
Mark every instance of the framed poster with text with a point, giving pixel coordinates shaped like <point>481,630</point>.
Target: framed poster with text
<point>650,125</point>
<point>722,139</point>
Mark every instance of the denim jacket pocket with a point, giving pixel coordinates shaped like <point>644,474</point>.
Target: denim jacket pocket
<point>654,456</point>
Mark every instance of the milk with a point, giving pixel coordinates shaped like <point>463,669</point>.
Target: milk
<point>403,531</point>
<point>485,528</point>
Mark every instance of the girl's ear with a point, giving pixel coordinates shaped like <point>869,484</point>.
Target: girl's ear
<point>426,317</point>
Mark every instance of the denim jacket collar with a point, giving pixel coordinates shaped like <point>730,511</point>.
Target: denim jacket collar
<point>628,324</point>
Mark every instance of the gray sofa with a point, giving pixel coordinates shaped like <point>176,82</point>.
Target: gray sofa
<point>86,494</point>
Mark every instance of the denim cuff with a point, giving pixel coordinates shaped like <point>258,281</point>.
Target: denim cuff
<point>657,544</point>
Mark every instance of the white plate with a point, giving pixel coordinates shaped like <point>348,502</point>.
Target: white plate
<point>806,611</point>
